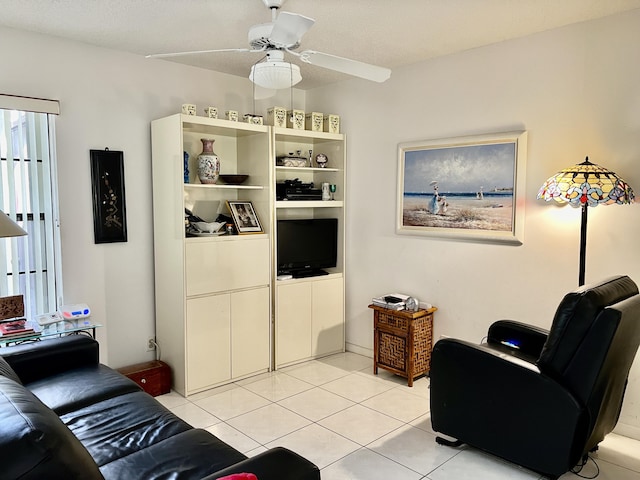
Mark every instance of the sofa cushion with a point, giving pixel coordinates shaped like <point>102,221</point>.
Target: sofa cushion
<point>122,425</point>
<point>74,389</point>
<point>36,442</point>
<point>191,454</point>
<point>7,371</point>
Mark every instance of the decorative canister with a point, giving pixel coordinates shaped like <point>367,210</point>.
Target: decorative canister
<point>208,162</point>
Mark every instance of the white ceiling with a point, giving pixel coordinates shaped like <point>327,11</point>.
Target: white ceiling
<point>381,32</point>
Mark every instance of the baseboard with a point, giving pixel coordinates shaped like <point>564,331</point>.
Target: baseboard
<point>626,430</point>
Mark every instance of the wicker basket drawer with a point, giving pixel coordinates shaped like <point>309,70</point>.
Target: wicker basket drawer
<point>403,341</point>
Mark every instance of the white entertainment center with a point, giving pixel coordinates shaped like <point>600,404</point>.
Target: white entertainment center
<point>221,312</point>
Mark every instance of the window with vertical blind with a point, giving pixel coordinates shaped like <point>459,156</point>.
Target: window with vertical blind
<point>30,265</point>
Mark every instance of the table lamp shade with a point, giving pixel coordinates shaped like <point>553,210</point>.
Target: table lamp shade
<point>9,228</point>
<point>586,183</point>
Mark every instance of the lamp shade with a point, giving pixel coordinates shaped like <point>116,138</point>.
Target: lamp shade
<point>275,74</point>
<point>9,228</point>
<point>586,184</point>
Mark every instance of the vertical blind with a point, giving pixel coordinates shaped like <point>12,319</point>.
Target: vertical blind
<point>29,264</point>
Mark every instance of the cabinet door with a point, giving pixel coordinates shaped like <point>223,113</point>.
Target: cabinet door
<point>250,320</point>
<point>293,328</point>
<point>226,265</point>
<point>327,307</point>
<point>208,341</point>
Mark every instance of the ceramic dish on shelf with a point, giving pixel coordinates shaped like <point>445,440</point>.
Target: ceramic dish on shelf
<point>233,179</point>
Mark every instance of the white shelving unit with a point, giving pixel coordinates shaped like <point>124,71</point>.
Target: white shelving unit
<point>213,294</point>
<point>220,313</point>
<point>309,312</point>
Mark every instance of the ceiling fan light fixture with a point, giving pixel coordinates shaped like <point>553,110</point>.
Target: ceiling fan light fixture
<point>275,75</point>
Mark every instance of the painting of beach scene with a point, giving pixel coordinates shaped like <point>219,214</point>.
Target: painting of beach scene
<point>464,187</point>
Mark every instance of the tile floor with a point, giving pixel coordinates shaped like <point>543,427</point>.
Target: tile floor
<point>358,426</point>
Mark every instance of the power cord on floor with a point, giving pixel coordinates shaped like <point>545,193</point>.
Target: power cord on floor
<point>578,468</point>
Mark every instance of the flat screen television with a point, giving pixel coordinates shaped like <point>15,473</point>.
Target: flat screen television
<point>307,246</point>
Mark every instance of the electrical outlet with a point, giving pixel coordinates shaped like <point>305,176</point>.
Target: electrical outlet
<point>151,344</point>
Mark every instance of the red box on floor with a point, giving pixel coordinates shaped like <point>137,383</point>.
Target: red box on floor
<point>154,377</point>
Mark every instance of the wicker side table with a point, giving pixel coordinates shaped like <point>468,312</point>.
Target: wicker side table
<point>402,341</point>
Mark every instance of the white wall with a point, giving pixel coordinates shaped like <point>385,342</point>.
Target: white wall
<point>575,90</point>
<point>108,99</point>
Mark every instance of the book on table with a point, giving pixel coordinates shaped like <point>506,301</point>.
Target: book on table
<point>15,328</point>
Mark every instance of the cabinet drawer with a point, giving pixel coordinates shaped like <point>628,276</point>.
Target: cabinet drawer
<point>226,265</point>
<point>154,377</point>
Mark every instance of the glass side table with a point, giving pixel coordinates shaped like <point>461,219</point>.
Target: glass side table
<point>82,326</point>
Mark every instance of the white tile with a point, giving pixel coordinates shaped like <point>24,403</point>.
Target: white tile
<point>231,403</point>
<point>399,404</point>
<point>413,448</point>
<point>385,376</point>
<point>194,415</point>
<point>317,444</point>
<point>420,387</point>
<point>471,464</point>
<point>620,450</point>
<point>278,386</point>
<point>356,387</point>
<point>256,451</point>
<point>316,404</point>
<point>608,471</point>
<point>348,361</point>
<point>424,423</point>
<point>268,423</point>
<point>367,465</point>
<point>360,424</point>
<point>212,391</point>
<point>233,437</point>
<point>171,399</point>
<point>315,372</point>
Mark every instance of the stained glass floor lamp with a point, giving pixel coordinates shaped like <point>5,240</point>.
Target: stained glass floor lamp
<point>586,185</point>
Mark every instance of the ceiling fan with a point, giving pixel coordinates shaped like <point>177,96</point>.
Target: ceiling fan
<point>283,34</point>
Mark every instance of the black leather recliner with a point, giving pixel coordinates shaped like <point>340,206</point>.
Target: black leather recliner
<point>541,399</point>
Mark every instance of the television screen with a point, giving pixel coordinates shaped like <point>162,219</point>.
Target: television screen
<point>307,246</point>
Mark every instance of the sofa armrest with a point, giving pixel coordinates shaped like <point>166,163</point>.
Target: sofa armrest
<point>37,360</point>
<point>517,338</point>
<point>276,463</point>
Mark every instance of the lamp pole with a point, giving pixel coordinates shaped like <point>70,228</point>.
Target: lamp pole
<point>583,244</point>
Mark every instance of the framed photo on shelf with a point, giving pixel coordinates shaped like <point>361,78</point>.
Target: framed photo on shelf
<point>107,182</point>
<point>463,188</point>
<point>244,217</point>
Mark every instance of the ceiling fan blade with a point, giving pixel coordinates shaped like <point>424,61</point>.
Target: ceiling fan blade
<point>345,65</point>
<point>289,28</point>
<point>199,52</point>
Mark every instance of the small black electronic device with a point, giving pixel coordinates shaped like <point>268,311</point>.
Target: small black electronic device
<point>296,190</point>
<point>392,299</point>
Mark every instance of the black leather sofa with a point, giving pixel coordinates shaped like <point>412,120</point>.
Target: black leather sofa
<point>63,415</point>
<point>541,399</point>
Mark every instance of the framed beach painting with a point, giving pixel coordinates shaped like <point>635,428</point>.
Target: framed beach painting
<point>464,188</point>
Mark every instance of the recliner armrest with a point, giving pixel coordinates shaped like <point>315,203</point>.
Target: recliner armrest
<point>36,360</point>
<point>517,338</point>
